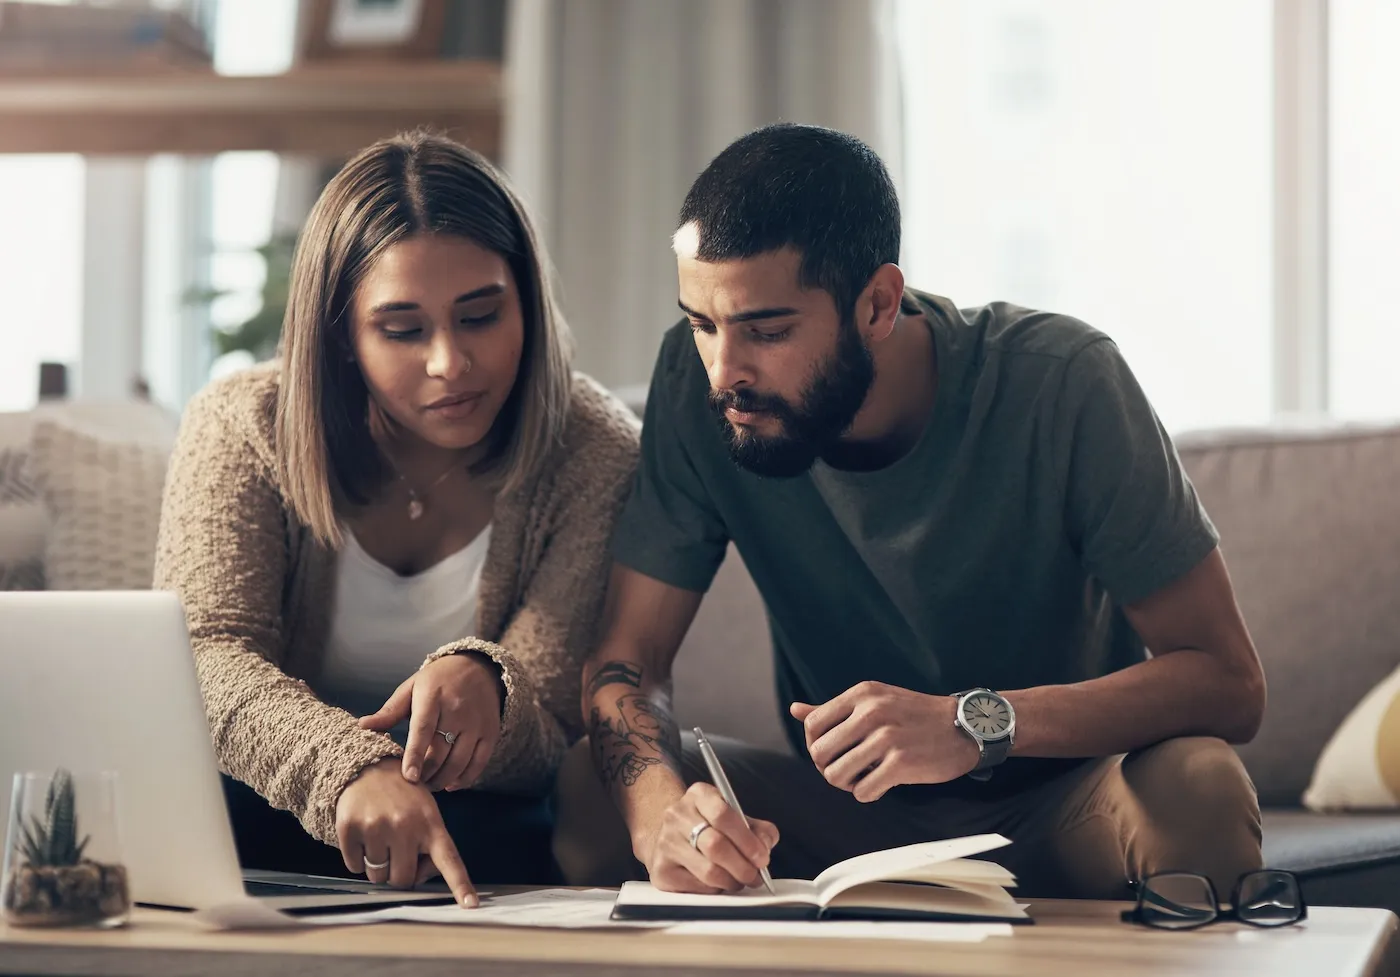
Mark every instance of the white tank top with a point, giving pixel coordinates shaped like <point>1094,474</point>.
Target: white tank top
<point>383,625</point>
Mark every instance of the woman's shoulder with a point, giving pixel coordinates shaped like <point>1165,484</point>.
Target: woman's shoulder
<point>602,435</point>
<point>238,409</point>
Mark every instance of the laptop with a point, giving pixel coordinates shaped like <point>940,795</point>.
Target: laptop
<point>105,680</point>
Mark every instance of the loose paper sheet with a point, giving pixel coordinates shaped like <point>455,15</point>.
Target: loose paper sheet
<point>548,908</point>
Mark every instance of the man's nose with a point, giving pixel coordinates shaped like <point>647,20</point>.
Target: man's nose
<point>728,369</point>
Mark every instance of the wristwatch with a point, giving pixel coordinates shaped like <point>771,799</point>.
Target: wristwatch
<point>991,722</point>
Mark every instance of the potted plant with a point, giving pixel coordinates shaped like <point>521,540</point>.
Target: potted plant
<point>48,880</point>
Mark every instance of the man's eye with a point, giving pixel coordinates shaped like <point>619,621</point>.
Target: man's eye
<point>771,337</point>
<point>705,327</point>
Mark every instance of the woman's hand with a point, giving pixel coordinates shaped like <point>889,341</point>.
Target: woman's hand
<point>382,819</point>
<point>461,695</point>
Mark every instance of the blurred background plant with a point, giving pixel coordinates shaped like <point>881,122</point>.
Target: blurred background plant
<point>256,335</point>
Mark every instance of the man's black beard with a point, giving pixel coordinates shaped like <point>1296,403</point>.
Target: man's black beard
<point>829,404</point>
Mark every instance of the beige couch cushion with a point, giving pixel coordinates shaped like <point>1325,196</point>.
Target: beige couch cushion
<point>1359,769</point>
<point>1310,527</point>
<point>723,674</point>
<point>103,499</point>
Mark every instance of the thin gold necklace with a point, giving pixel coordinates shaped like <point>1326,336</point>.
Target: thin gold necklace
<point>415,498</point>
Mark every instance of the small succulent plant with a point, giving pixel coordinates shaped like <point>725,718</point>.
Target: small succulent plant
<point>53,841</point>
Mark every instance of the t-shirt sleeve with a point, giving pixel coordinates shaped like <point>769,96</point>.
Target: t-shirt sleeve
<point>669,528</point>
<point>1132,513</point>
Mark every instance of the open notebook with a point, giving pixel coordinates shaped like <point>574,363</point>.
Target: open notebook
<point>936,880</point>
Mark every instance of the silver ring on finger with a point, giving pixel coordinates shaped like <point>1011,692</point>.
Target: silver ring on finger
<point>377,866</point>
<point>450,737</point>
<point>696,832</point>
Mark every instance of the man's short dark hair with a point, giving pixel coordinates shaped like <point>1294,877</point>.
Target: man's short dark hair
<point>821,192</point>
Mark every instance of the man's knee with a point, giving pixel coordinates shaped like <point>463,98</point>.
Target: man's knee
<point>591,842</point>
<point>1198,808</point>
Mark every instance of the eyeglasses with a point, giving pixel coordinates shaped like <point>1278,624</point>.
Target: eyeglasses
<point>1185,901</point>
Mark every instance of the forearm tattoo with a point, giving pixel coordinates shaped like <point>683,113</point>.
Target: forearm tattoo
<point>632,734</point>
<point>615,673</point>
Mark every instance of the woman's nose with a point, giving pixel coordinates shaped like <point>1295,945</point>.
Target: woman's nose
<point>447,359</point>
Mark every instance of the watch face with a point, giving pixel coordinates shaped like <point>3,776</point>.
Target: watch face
<point>986,715</point>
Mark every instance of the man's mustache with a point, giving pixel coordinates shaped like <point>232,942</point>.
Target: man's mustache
<point>747,402</point>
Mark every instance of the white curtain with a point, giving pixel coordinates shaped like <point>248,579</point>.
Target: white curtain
<point>614,106</point>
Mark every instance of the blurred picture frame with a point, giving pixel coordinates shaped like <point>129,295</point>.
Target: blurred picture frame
<point>343,30</point>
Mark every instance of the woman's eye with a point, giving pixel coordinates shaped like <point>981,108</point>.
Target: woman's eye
<point>401,335</point>
<point>481,320</point>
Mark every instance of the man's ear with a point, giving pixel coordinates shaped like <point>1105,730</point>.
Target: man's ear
<point>881,301</point>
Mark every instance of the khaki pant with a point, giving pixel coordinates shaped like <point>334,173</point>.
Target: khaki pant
<point>1182,805</point>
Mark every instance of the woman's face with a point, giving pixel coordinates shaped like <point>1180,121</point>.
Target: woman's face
<point>437,331</point>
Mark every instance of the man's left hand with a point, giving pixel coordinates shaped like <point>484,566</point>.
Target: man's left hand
<point>874,736</point>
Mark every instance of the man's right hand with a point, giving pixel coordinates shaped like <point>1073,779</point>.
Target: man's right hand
<point>382,818</point>
<point>727,855</point>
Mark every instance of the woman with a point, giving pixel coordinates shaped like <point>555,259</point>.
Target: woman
<point>400,525</point>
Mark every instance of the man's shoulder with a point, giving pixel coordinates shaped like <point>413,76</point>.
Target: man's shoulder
<point>679,379</point>
<point>678,356</point>
<point>1014,330</point>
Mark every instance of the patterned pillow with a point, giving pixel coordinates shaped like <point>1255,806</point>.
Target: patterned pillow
<point>103,499</point>
<point>23,524</point>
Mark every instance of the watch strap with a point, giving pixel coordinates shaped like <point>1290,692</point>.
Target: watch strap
<point>994,752</point>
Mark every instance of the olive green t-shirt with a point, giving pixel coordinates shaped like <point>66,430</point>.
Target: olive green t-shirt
<point>1042,496</point>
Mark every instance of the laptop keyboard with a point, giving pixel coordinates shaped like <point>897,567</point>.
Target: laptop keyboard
<point>279,889</point>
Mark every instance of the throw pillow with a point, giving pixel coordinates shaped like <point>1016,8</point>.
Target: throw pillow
<point>103,498</point>
<point>23,524</point>
<point>1359,769</point>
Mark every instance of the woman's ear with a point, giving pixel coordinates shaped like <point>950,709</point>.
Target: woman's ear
<point>343,345</point>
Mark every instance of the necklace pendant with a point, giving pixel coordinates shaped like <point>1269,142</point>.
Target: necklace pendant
<point>415,509</point>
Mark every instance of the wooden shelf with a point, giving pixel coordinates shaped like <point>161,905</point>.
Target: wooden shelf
<point>327,110</point>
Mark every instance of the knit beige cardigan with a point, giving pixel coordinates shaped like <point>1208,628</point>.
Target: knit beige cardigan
<point>257,590</point>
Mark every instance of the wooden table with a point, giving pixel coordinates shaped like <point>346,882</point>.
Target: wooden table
<point>1070,939</point>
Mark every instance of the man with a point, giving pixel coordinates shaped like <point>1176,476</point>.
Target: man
<point>931,502</point>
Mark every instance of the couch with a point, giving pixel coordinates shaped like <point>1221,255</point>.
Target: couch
<point>1310,521</point>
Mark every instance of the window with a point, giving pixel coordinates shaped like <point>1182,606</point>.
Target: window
<point>41,270</point>
<point>43,202</point>
<point>1364,198</point>
<point>1107,160</point>
<point>251,37</point>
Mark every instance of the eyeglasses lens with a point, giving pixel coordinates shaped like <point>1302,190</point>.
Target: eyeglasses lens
<point>1269,899</point>
<point>1175,901</point>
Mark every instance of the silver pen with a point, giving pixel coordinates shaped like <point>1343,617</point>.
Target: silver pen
<point>727,792</point>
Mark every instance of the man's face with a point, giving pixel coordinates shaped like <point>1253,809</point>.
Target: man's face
<point>787,375</point>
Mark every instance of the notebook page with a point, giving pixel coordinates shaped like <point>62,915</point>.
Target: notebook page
<point>925,898</point>
<point>970,870</point>
<point>787,892</point>
<point>897,862</point>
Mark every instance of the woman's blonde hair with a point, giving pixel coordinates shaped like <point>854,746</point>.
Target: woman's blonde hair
<point>411,184</point>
